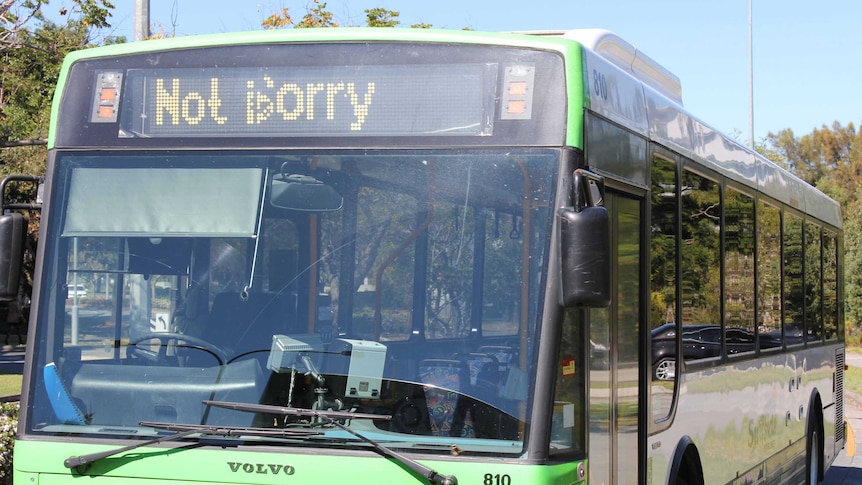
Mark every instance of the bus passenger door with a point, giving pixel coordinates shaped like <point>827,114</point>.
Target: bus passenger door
<point>615,378</point>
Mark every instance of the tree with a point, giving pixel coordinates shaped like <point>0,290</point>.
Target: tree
<point>831,159</point>
<point>380,17</point>
<point>32,50</point>
<point>317,16</point>
<point>813,155</point>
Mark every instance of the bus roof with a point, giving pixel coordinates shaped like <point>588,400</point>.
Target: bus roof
<point>355,34</point>
<point>650,104</point>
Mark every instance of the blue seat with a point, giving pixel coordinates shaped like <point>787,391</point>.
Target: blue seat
<point>65,409</point>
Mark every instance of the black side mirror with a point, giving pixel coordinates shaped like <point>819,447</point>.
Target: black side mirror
<point>585,245</point>
<point>13,231</point>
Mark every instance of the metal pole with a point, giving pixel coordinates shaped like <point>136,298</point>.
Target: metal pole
<point>74,286</point>
<point>142,19</point>
<point>750,76</point>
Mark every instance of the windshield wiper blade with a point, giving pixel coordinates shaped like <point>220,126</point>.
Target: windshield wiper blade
<point>184,430</point>
<point>232,430</point>
<point>331,417</point>
<point>288,411</point>
<point>76,461</point>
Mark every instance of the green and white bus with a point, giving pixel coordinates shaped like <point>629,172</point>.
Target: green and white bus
<point>411,256</point>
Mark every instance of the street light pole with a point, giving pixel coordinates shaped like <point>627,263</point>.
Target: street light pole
<point>750,76</point>
<point>142,19</point>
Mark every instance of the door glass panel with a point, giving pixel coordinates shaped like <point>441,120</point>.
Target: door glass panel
<point>701,267</point>
<point>628,332</point>
<point>615,388</point>
<point>663,264</point>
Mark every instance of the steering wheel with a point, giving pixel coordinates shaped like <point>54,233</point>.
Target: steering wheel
<point>190,342</point>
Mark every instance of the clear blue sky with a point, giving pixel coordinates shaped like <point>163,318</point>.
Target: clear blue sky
<point>806,54</point>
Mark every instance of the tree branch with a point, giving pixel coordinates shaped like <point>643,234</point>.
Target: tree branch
<point>24,143</point>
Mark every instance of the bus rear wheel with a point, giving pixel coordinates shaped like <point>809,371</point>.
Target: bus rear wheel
<point>813,457</point>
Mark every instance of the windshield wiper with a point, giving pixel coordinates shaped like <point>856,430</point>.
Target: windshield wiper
<point>332,418</point>
<point>182,431</point>
<point>286,411</point>
<point>76,461</point>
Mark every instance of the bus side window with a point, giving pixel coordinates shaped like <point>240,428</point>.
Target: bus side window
<point>701,266</point>
<point>830,287</point>
<point>739,248</point>
<point>813,284</point>
<point>768,276</point>
<point>793,294</point>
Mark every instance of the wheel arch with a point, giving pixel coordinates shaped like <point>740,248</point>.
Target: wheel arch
<point>686,467</point>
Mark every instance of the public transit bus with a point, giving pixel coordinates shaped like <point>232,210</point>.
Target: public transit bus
<point>412,256</point>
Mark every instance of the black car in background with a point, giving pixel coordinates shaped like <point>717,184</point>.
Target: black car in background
<point>664,352</point>
<point>698,342</point>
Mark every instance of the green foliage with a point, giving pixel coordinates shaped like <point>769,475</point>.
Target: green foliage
<point>315,17</point>
<point>381,17</point>
<point>32,50</point>
<point>831,159</point>
<point>814,155</point>
<point>8,431</point>
<point>278,20</point>
<point>318,17</point>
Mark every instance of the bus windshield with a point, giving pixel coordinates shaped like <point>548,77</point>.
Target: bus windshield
<point>399,283</point>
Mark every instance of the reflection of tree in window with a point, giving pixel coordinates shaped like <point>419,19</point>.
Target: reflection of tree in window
<point>502,274</point>
<point>739,310</point>
<point>663,277</point>
<point>769,275</point>
<point>830,286</point>
<point>813,284</point>
<point>663,243</point>
<point>793,285</point>
<point>448,302</point>
<point>700,251</point>
<point>383,274</point>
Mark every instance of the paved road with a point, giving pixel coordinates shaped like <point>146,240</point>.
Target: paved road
<point>12,359</point>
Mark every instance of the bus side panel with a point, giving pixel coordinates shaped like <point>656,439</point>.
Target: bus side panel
<point>749,416</point>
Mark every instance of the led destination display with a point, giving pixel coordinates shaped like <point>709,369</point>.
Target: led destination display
<point>455,99</point>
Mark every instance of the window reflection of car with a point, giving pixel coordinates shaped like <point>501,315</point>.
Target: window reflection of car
<point>738,340</point>
<point>79,291</point>
<point>701,342</point>
<point>698,342</point>
<point>664,352</point>
<point>599,356</point>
